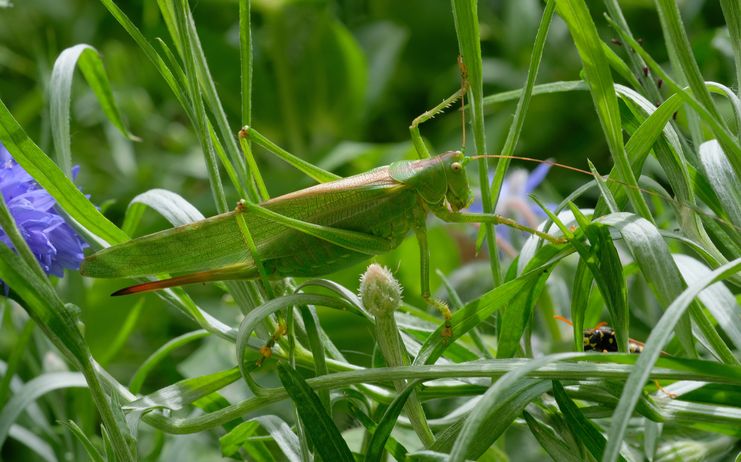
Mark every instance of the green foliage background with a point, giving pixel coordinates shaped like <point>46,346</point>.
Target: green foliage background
<point>336,83</point>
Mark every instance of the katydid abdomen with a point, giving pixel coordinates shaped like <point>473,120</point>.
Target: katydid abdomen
<point>371,203</point>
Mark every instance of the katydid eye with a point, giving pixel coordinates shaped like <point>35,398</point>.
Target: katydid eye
<point>456,166</point>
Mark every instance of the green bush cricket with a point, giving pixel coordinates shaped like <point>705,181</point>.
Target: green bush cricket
<point>310,232</point>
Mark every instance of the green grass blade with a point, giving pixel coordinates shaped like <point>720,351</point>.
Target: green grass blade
<point>488,403</point>
<point>549,440</point>
<point>171,206</point>
<point>613,287</point>
<point>190,46</point>
<point>90,449</point>
<point>316,342</point>
<point>375,449</point>
<point>208,87</point>
<point>636,65</point>
<point>653,258</point>
<point>581,428</point>
<point>122,334</point>
<point>601,85</point>
<point>245,59</point>
<point>730,145</point>
<point>480,309</point>
<point>732,13</point>
<point>318,425</point>
<point>540,89</point>
<point>661,273</point>
<point>465,18</point>
<point>179,92</point>
<point>735,101</point>
<point>278,430</point>
<point>52,179</point>
<point>311,170</point>
<point>256,316</point>
<point>31,391</point>
<point>34,442</point>
<point>722,179</point>
<point>516,316</point>
<point>660,335</point>
<point>137,380</point>
<point>184,392</point>
<point>501,415</point>
<point>718,299</point>
<point>515,129</point>
<point>677,40</point>
<point>394,448</point>
<point>523,102</point>
<point>603,189</point>
<point>60,94</point>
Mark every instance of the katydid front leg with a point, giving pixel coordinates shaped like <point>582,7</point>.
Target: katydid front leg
<point>420,229</point>
<point>464,217</point>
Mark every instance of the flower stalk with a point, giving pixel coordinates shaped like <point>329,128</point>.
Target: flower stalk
<point>381,296</point>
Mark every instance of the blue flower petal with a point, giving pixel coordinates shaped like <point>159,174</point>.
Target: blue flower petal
<point>536,177</point>
<point>53,242</point>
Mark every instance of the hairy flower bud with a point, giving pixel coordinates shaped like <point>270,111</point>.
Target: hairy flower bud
<point>381,296</point>
<point>379,291</point>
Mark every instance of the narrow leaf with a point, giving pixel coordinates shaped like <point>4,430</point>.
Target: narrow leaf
<point>318,425</point>
<point>60,92</point>
<point>660,335</point>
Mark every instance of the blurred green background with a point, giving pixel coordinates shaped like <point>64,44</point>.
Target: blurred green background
<point>336,83</point>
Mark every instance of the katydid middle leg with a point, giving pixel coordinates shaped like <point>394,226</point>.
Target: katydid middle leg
<point>420,230</point>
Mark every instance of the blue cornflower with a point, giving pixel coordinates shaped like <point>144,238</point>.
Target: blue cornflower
<point>53,242</point>
<point>514,202</point>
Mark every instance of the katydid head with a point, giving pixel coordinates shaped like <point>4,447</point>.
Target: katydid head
<point>458,194</point>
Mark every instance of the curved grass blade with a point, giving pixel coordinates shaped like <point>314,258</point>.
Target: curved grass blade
<point>732,13</point>
<point>279,431</point>
<point>722,179</point>
<point>31,391</point>
<point>172,206</point>
<point>137,380</point>
<point>489,402</point>
<point>509,406</point>
<point>88,60</point>
<point>33,442</point>
<point>659,336</point>
<point>256,316</point>
<point>730,145</point>
<point>52,179</point>
<point>718,300</point>
<point>184,392</point>
<point>654,259</point>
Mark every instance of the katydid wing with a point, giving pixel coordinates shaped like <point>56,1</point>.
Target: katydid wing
<point>377,207</point>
